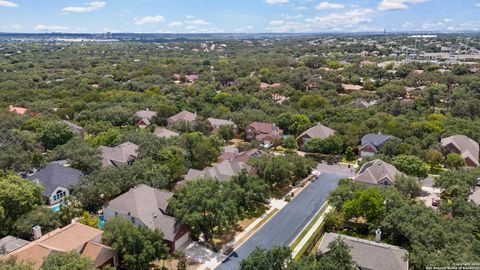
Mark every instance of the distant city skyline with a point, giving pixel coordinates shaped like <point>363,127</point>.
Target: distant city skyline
<point>242,16</point>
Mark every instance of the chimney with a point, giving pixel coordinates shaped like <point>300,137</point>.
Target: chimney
<point>37,232</point>
<point>378,235</point>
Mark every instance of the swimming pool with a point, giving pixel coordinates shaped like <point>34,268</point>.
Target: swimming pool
<point>55,208</point>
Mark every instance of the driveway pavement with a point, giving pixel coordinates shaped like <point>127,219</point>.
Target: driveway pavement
<point>340,169</point>
<point>198,253</point>
<point>282,229</point>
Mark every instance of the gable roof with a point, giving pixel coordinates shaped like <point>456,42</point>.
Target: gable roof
<point>468,148</point>
<point>17,110</point>
<point>12,243</point>
<point>164,133</point>
<point>369,254</point>
<point>222,171</point>
<point>216,122</point>
<point>375,140</point>
<point>148,205</point>
<point>374,171</point>
<point>318,131</point>
<point>145,114</point>
<point>54,175</point>
<point>118,155</point>
<point>183,116</point>
<point>69,238</point>
<point>244,156</point>
<point>74,127</point>
<point>352,87</point>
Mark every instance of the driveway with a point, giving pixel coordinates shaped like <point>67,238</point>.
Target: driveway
<point>339,169</point>
<point>282,229</point>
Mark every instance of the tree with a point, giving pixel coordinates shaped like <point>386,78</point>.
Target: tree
<point>411,165</point>
<point>458,183</point>
<point>408,186</point>
<point>69,209</point>
<point>41,216</point>
<point>366,203</point>
<point>182,261</point>
<point>337,257</point>
<point>290,143</point>
<point>53,133</point>
<point>202,151</point>
<point>11,264</point>
<point>67,261</point>
<point>434,157</point>
<point>298,124</point>
<point>137,246</point>
<point>227,132</point>
<point>207,206</point>
<point>329,146</point>
<point>333,221</point>
<point>277,258</point>
<point>17,197</point>
<point>80,155</point>
<point>255,190</point>
<point>345,191</point>
<point>454,161</point>
<point>350,154</point>
<point>173,158</point>
<point>89,219</point>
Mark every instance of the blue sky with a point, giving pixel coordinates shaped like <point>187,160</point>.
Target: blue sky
<point>186,16</point>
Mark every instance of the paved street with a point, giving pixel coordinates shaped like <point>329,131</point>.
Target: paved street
<point>288,223</point>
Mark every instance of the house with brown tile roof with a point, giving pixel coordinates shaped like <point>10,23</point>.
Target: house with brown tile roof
<point>464,146</point>
<point>267,133</point>
<point>317,132</point>
<point>147,206</point>
<point>184,116</point>
<point>83,239</point>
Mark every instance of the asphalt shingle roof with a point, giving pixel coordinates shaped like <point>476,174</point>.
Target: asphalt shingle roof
<point>56,175</point>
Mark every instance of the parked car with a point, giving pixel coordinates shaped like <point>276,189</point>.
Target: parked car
<point>435,201</point>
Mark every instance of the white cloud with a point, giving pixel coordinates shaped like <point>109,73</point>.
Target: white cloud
<point>329,5</point>
<point>397,4</point>
<point>175,24</point>
<point>336,21</point>
<point>273,2</point>
<point>92,6</point>
<point>247,28</point>
<point>50,28</point>
<point>4,3</point>
<point>276,22</point>
<point>198,22</point>
<point>149,20</point>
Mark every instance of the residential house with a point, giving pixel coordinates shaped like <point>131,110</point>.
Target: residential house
<point>123,154</point>
<point>265,86</point>
<point>464,146</point>
<point>369,255</point>
<point>267,133</point>
<point>83,239</point>
<point>222,171</point>
<point>372,143</point>
<point>377,172</point>
<point>183,116</point>
<point>12,243</point>
<point>351,87</point>
<point>191,78</point>
<point>56,178</point>
<point>144,118</point>
<point>17,110</point>
<point>317,132</point>
<point>244,156</point>
<point>147,206</point>
<point>75,128</point>
<point>164,133</point>
<point>215,123</point>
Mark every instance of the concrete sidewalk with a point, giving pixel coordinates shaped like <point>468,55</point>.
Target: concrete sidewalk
<point>312,230</point>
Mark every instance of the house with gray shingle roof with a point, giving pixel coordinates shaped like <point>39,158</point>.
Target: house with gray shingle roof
<point>12,243</point>
<point>369,255</point>
<point>371,143</point>
<point>123,154</point>
<point>144,117</point>
<point>464,146</point>
<point>147,206</point>
<point>317,132</point>
<point>74,127</point>
<point>216,123</point>
<point>377,172</point>
<point>56,178</point>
